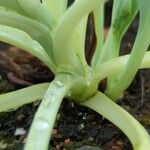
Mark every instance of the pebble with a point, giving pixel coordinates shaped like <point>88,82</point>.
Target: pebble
<point>81,126</point>
<point>54,132</point>
<point>67,141</point>
<point>20,131</point>
<point>57,147</point>
<point>90,139</point>
<point>20,117</point>
<point>3,146</point>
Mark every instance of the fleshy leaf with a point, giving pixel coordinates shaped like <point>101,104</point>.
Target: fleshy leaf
<point>47,112</point>
<point>77,42</point>
<point>99,30</point>
<point>138,136</point>
<point>35,29</point>
<point>137,53</point>
<point>122,16</point>
<point>65,30</point>
<point>21,97</point>
<point>12,5</point>
<point>22,40</point>
<point>37,11</point>
<point>55,7</point>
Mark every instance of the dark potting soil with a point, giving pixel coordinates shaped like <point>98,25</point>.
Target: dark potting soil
<point>75,126</point>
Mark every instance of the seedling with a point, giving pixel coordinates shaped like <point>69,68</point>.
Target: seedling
<point>55,34</point>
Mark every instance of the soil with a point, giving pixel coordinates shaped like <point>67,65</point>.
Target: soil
<point>75,126</point>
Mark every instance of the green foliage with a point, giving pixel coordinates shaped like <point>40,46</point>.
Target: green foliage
<point>56,35</point>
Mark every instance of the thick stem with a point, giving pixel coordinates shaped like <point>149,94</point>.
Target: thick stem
<point>117,65</point>
<point>41,129</point>
<point>122,16</point>
<point>138,136</point>
<point>112,43</point>
<point>126,77</point>
<point>137,53</point>
<point>99,28</point>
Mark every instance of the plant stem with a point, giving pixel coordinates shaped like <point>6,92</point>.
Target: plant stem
<point>138,136</point>
<point>122,16</point>
<point>112,43</point>
<point>23,41</point>
<point>56,8</point>
<point>37,11</point>
<point>99,28</point>
<point>21,97</point>
<point>66,27</point>
<point>137,53</point>
<point>117,65</point>
<point>135,59</point>
<point>42,126</point>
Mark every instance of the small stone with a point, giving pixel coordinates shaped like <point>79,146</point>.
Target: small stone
<point>20,117</point>
<point>55,131</point>
<point>20,131</point>
<point>72,104</point>
<point>90,139</point>
<point>58,116</point>
<point>61,144</point>
<point>3,145</point>
<point>57,147</point>
<point>81,126</point>
<point>80,114</point>
<point>84,117</point>
<point>67,141</point>
<point>119,142</point>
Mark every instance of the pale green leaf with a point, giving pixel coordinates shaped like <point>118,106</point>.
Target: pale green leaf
<point>35,29</point>
<point>12,5</point>
<point>55,7</point>
<point>102,104</point>
<point>22,40</point>
<point>21,97</point>
<point>37,11</point>
<point>99,30</point>
<point>137,53</point>
<point>65,30</point>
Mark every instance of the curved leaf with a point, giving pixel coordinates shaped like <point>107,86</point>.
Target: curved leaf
<point>55,7</point>
<point>37,11</point>
<point>117,65</point>
<point>122,16</point>
<point>22,40</point>
<point>35,29</point>
<point>47,112</point>
<point>21,97</point>
<point>77,42</point>
<point>99,29</point>
<point>65,30</point>
<point>137,53</point>
<point>102,104</point>
<point>12,5</point>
